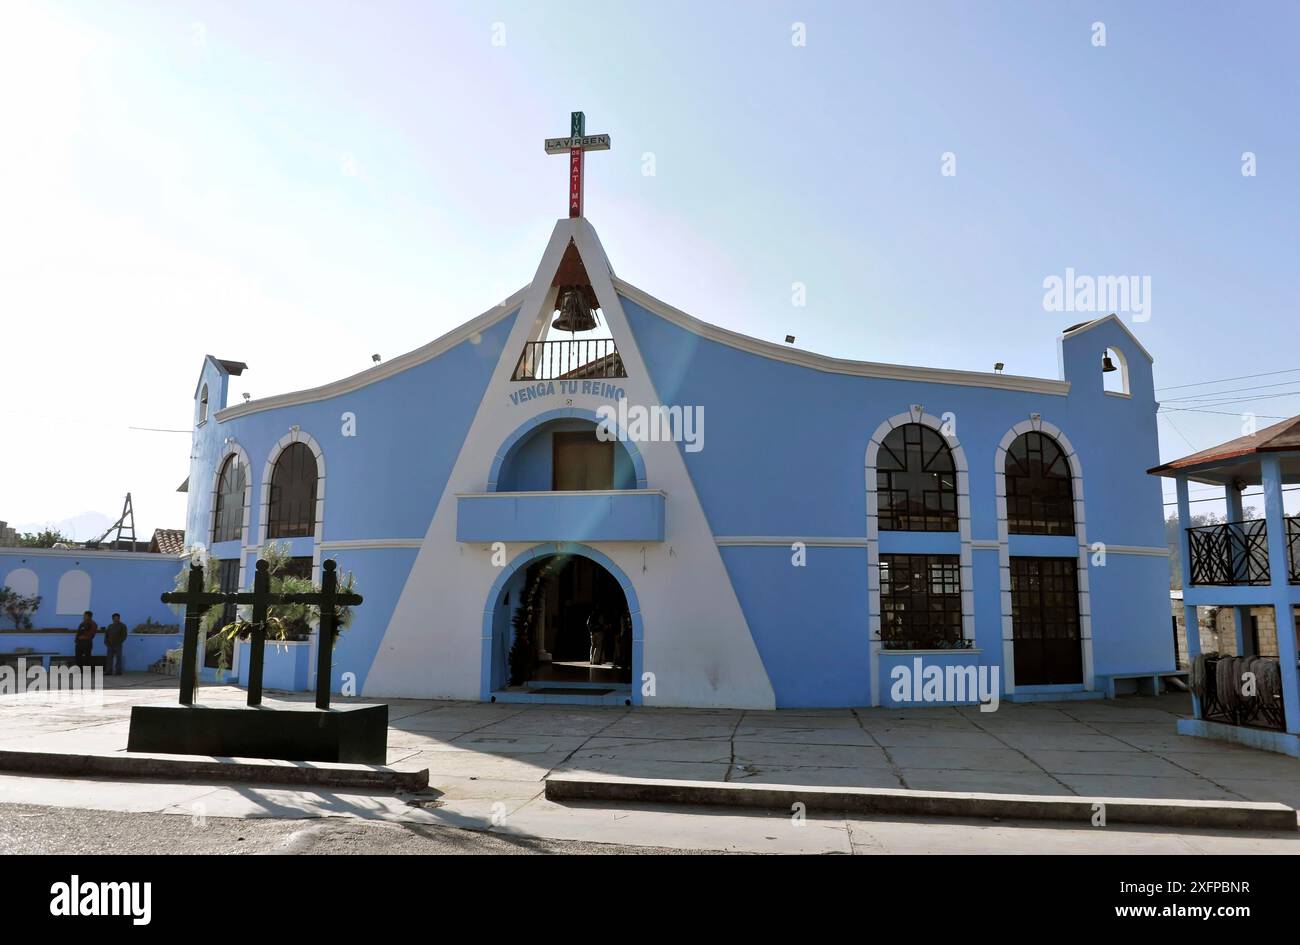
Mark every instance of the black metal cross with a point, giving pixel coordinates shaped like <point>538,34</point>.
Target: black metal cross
<point>197,601</point>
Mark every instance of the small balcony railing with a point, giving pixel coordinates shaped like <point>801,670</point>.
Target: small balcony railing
<point>1293,549</point>
<point>1236,553</point>
<point>1232,553</point>
<point>570,359</point>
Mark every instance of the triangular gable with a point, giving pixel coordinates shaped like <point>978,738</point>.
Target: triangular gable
<point>1071,333</point>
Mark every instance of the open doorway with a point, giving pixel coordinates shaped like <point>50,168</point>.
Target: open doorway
<point>570,628</point>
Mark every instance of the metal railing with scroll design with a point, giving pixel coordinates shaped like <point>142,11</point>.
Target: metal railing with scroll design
<point>1293,549</point>
<point>1232,553</point>
<point>1220,683</point>
<point>571,359</point>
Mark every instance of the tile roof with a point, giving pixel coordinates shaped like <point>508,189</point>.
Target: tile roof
<point>1279,438</point>
<point>168,541</point>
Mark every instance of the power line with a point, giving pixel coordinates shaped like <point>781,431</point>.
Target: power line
<point>1207,395</point>
<point>158,430</point>
<point>1237,400</point>
<point>1253,495</point>
<point>1178,431</point>
<point>1229,413</point>
<point>1224,380</point>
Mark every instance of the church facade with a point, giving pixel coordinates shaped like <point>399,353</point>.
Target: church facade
<point>675,514</point>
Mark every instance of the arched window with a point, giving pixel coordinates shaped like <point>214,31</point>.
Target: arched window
<point>1040,495</point>
<point>293,494</point>
<point>916,481</point>
<point>228,522</point>
<point>203,404</point>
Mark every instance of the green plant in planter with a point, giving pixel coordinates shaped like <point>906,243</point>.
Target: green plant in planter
<point>284,622</point>
<point>523,651</point>
<point>19,607</point>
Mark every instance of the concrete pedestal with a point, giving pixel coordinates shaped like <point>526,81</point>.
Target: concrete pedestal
<point>352,733</point>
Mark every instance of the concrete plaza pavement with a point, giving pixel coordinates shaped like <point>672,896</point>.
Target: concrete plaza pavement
<point>487,763</point>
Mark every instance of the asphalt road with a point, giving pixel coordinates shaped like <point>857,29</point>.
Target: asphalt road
<point>27,829</point>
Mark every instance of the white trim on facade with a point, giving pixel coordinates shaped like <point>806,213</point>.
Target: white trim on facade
<point>365,544</point>
<point>762,541</point>
<point>1036,424</point>
<point>821,362</point>
<point>915,414</point>
<point>1101,321</point>
<point>233,449</point>
<point>1137,550</point>
<point>295,435</point>
<point>384,370</point>
<point>610,492</point>
<point>88,553</point>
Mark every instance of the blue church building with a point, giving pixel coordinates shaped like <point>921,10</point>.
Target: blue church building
<point>664,512</point>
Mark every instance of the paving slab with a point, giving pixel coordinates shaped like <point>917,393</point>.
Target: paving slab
<point>716,750</point>
<point>833,777</point>
<point>635,768</point>
<point>552,723</point>
<point>497,767</point>
<point>1103,785</point>
<point>779,754</point>
<point>1258,765</point>
<point>962,759</point>
<point>1040,741</point>
<point>1124,763</point>
<point>804,736</point>
<point>914,738</point>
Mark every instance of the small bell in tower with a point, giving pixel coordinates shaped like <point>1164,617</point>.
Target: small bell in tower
<point>575,315</point>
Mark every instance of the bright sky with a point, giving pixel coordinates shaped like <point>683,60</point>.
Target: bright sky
<point>299,185</point>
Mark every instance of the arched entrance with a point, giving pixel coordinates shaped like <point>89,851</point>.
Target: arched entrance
<point>562,623</point>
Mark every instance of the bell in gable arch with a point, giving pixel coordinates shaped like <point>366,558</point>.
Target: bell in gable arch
<point>575,315</point>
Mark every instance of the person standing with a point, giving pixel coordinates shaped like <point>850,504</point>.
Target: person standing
<point>596,629</point>
<point>114,639</point>
<point>85,638</point>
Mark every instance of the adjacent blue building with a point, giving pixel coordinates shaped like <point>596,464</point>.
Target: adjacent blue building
<point>666,512</point>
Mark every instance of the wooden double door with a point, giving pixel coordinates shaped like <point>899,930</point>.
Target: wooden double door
<point>1045,622</point>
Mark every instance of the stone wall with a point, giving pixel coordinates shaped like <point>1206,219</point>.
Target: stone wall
<point>1218,630</point>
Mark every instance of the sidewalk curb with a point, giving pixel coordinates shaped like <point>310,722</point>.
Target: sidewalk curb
<point>1234,815</point>
<point>317,774</point>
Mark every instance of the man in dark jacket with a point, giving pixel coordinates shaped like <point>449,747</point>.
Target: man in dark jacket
<point>114,638</point>
<point>85,638</point>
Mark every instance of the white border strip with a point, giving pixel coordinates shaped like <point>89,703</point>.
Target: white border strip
<point>821,362</point>
<point>362,544</point>
<point>381,371</point>
<point>19,552</point>
<point>1137,550</point>
<point>764,541</point>
<point>915,414</point>
<point>1036,424</point>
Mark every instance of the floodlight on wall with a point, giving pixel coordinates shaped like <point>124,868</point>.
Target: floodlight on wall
<point>376,358</point>
<point>997,367</point>
<point>789,339</point>
<point>247,396</point>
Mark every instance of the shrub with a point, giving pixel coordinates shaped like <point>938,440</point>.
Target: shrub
<point>152,626</point>
<point>18,607</point>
